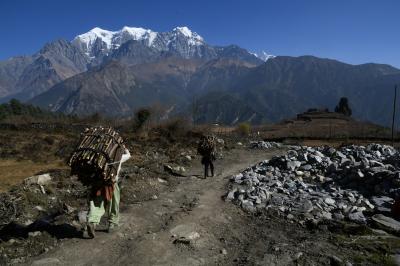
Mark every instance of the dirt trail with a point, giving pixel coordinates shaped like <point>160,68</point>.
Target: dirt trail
<point>149,230</point>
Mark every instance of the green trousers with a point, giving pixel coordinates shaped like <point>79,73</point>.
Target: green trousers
<point>99,206</point>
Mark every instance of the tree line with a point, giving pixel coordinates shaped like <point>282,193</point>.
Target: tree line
<point>15,108</point>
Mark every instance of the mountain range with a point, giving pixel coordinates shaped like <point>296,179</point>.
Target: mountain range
<point>117,72</point>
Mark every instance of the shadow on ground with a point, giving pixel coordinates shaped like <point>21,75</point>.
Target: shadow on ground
<point>60,231</point>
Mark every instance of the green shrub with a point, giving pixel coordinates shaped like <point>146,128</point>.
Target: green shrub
<point>244,129</point>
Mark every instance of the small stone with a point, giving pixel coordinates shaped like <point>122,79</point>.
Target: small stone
<point>366,201</point>
<point>38,179</point>
<point>299,173</point>
<point>221,141</point>
<point>39,208</point>
<point>338,216</point>
<point>360,174</point>
<point>357,217</point>
<point>361,209</point>
<point>231,195</point>
<point>329,201</point>
<point>306,206</point>
<point>306,167</point>
<point>298,255</point>
<point>316,158</point>
<point>47,261</point>
<point>292,165</point>
<point>248,206</point>
<point>34,234</point>
<point>326,215</point>
<point>193,235</point>
<point>224,251</point>
<point>321,178</point>
<point>154,197</point>
<point>290,216</point>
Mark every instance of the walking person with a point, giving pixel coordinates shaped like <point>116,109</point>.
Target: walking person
<point>105,198</point>
<point>207,149</point>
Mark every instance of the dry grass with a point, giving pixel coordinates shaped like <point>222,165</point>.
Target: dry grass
<point>13,172</point>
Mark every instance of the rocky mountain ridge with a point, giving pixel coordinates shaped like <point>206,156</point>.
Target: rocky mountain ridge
<point>25,77</point>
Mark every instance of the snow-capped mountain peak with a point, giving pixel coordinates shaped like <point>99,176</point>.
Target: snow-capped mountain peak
<point>89,38</point>
<point>264,55</point>
<point>188,33</point>
<point>88,41</point>
<point>137,33</point>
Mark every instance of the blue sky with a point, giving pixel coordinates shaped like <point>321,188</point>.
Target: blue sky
<point>353,31</point>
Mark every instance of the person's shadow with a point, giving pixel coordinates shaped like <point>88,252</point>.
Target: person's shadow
<point>15,230</point>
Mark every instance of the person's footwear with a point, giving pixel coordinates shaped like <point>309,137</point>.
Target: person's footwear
<point>91,228</point>
<point>112,228</point>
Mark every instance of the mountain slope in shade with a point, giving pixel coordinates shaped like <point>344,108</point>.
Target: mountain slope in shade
<point>131,87</point>
<point>285,86</point>
<point>165,82</point>
<point>278,89</point>
<point>223,108</point>
<point>98,90</point>
<point>218,75</point>
<point>10,71</point>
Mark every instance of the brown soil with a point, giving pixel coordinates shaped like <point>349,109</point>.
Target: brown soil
<point>158,207</point>
<point>150,230</point>
<point>13,172</point>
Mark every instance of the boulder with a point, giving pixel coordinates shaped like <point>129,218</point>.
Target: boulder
<point>38,180</point>
<point>386,223</point>
<point>292,165</point>
<point>357,217</point>
<point>329,201</point>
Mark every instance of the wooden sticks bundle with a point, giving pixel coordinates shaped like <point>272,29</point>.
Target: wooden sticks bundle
<point>97,156</point>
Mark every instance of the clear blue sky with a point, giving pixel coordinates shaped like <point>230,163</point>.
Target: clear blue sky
<point>353,31</point>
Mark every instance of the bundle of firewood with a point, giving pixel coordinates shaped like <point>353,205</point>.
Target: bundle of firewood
<point>207,145</point>
<point>97,157</point>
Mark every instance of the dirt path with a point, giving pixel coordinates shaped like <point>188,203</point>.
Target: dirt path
<point>186,225</point>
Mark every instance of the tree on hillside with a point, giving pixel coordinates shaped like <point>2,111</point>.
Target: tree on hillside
<point>141,117</point>
<point>16,107</point>
<point>343,107</point>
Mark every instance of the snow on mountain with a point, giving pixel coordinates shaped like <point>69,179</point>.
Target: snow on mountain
<point>193,37</point>
<point>264,56</point>
<point>87,40</point>
<point>99,41</point>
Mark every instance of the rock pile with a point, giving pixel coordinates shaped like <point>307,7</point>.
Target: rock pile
<point>264,145</point>
<point>321,183</point>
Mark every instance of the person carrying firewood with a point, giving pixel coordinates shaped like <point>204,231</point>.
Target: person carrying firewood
<point>207,150</point>
<point>97,162</point>
<point>105,199</point>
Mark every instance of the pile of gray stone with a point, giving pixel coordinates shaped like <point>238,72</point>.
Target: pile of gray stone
<point>264,144</point>
<point>350,183</point>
